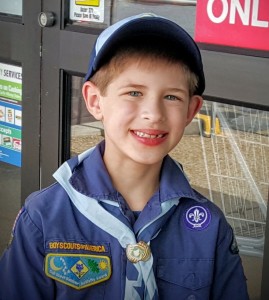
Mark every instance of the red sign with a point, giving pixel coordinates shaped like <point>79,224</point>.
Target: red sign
<point>236,23</point>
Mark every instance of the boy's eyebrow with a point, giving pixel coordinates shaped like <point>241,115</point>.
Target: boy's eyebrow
<point>134,85</point>
<point>138,86</point>
<point>177,90</point>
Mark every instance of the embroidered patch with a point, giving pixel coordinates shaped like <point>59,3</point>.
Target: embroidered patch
<point>78,270</point>
<point>197,217</point>
<point>76,246</point>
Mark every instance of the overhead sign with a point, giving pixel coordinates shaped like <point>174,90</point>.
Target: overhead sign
<point>235,23</point>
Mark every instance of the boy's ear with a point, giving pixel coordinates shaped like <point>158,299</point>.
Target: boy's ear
<point>195,104</point>
<point>91,95</point>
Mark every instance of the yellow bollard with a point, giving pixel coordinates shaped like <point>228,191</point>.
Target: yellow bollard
<point>206,124</point>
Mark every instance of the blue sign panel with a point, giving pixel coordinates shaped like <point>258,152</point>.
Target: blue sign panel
<point>10,132</point>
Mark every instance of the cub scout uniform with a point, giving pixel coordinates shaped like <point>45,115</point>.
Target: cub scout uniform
<point>78,240</point>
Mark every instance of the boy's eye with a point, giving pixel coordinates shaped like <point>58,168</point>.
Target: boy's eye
<point>135,93</point>
<point>171,97</point>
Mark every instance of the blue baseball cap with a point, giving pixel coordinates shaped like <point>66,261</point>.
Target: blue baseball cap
<point>143,26</point>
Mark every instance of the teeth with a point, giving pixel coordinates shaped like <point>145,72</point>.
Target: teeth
<point>149,136</point>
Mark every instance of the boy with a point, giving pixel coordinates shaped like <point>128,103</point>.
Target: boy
<point>122,221</point>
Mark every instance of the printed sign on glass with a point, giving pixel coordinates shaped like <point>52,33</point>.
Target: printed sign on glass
<point>11,82</point>
<point>87,11</point>
<point>10,114</point>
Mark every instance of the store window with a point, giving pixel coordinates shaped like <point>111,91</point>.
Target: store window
<point>11,7</point>
<point>225,153</point>
<point>86,132</point>
<point>10,147</point>
<point>10,114</point>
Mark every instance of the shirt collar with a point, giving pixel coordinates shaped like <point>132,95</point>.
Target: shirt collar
<point>91,178</point>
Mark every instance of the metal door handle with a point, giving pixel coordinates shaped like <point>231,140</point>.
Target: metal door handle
<point>46,19</point>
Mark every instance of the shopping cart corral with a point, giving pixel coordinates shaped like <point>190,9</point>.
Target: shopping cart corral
<point>237,170</point>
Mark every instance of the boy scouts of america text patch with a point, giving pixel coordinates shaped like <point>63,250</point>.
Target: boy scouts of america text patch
<point>78,270</point>
<point>197,217</point>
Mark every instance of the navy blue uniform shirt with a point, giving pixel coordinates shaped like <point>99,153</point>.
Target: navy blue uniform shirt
<point>70,241</point>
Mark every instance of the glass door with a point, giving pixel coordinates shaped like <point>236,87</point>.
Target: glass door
<point>20,38</point>
<point>65,52</point>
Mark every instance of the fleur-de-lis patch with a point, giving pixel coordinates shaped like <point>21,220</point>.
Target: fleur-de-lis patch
<point>197,217</point>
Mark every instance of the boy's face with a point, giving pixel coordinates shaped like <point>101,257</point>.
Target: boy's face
<point>144,111</point>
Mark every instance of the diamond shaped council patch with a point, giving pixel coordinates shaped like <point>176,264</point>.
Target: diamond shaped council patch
<point>78,270</point>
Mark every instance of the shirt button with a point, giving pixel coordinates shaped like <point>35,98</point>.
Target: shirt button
<point>191,297</point>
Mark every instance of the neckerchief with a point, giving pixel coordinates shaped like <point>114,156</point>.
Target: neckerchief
<point>143,285</point>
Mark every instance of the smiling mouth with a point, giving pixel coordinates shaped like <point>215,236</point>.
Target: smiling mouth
<point>149,136</point>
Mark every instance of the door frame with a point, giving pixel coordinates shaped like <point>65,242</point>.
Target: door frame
<point>57,65</point>
<point>20,45</point>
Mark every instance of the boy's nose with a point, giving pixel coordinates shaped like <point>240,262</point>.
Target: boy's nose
<point>153,112</point>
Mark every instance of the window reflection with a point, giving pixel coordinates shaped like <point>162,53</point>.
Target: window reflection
<point>85,130</point>
<point>11,7</point>
<point>228,161</point>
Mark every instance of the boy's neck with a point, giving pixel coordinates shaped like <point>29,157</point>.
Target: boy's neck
<point>136,183</point>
